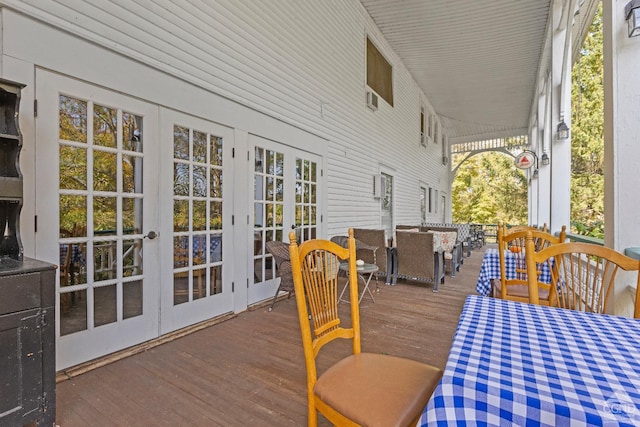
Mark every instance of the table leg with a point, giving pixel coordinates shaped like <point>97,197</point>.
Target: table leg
<point>366,287</point>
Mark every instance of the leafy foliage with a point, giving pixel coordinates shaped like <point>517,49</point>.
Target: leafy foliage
<point>587,150</point>
<point>489,189</point>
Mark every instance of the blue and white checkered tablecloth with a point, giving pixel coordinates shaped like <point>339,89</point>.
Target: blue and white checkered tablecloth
<point>490,269</point>
<point>517,364</point>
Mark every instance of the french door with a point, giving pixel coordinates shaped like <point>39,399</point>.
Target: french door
<point>284,199</point>
<point>196,194</point>
<point>135,203</point>
<point>96,202</point>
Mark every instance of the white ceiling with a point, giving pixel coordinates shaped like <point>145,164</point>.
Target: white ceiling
<point>476,61</point>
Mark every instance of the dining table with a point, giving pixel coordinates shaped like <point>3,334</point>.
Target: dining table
<point>490,269</point>
<point>517,364</point>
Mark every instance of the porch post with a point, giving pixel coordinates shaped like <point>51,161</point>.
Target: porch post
<point>560,100</point>
<point>621,129</point>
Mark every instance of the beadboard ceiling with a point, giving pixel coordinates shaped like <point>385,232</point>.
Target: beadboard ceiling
<point>477,61</point>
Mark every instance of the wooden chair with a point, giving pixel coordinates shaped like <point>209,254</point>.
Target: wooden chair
<point>516,289</point>
<point>362,388</point>
<point>582,275</point>
<point>515,228</point>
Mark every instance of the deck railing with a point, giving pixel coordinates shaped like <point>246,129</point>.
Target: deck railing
<point>491,234</point>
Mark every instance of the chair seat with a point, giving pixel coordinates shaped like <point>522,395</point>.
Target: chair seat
<point>353,388</point>
<point>519,291</point>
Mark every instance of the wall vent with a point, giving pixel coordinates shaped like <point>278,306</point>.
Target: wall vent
<point>372,101</point>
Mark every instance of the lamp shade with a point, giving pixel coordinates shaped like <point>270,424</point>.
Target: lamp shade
<point>544,159</point>
<point>563,130</point>
<point>632,15</point>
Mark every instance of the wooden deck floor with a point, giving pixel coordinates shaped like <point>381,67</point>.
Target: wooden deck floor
<point>250,370</point>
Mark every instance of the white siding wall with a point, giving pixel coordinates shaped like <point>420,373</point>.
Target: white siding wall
<point>302,62</point>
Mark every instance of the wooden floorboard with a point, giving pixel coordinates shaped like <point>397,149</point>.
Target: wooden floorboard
<point>249,370</point>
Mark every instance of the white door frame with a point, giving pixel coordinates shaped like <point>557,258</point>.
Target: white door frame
<point>210,305</point>
<point>94,341</point>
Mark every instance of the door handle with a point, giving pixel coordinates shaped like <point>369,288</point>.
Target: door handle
<point>151,235</point>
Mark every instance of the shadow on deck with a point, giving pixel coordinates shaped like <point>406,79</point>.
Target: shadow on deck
<point>250,370</point>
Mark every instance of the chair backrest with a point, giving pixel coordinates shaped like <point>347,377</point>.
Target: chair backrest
<point>365,252</point>
<point>515,242</point>
<point>279,251</point>
<point>376,238</point>
<point>408,227</point>
<point>583,274</point>
<point>315,265</point>
<point>415,252</point>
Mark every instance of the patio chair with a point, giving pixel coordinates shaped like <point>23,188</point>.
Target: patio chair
<point>383,258</point>
<point>280,253</point>
<point>583,274</point>
<point>447,239</point>
<point>516,288</point>
<point>417,258</point>
<point>373,389</point>
<point>365,252</point>
<point>477,237</point>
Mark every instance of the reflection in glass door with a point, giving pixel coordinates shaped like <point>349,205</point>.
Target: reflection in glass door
<point>306,199</point>
<point>197,214</point>
<point>100,185</point>
<point>267,210</point>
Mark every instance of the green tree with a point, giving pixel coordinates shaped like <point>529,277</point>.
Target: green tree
<point>587,149</point>
<point>489,189</point>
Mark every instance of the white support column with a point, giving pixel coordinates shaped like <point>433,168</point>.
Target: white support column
<point>533,198</point>
<point>560,150</point>
<point>621,129</point>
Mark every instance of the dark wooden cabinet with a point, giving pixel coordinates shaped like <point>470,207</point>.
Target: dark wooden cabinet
<point>10,175</point>
<point>27,293</point>
<point>27,344</point>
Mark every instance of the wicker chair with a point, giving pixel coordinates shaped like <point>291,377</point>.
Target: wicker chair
<point>454,255</point>
<point>280,253</point>
<point>416,258</point>
<point>383,257</point>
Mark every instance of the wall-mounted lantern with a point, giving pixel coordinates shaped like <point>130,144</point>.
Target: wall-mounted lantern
<point>563,130</point>
<point>545,159</point>
<point>632,16</point>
